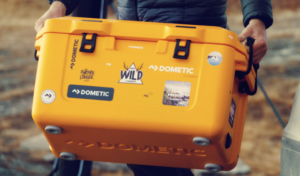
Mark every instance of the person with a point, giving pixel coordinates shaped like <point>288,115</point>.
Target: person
<point>290,142</point>
<point>257,17</point>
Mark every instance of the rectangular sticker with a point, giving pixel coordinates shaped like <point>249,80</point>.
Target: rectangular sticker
<point>90,92</point>
<point>232,113</point>
<point>177,93</point>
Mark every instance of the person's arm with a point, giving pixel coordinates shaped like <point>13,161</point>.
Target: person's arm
<point>257,18</point>
<point>257,9</point>
<point>58,8</point>
<point>69,4</point>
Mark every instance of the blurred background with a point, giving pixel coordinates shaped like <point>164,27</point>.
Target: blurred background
<point>23,149</point>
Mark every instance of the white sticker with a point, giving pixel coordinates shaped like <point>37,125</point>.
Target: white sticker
<point>214,58</point>
<point>48,96</point>
<point>177,93</point>
<point>131,75</point>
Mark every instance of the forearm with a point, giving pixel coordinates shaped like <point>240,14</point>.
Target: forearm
<point>257,9</point>
<point>69,4</point>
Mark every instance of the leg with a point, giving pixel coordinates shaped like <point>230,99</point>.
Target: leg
<point>142,170</point>
<point>71,168</point>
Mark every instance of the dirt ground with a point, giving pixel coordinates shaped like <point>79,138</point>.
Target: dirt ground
<point>279,73</point>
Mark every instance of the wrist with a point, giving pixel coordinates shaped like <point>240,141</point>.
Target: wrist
<point>257,22</point>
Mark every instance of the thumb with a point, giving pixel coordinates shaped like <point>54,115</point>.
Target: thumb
<point>39,25</point>
<point>244,35</point>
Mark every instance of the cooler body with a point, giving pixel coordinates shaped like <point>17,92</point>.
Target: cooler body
<point>136,99</point>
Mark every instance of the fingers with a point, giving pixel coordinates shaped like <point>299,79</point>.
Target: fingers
<point>256,30</point>
<point>39,24</point>
<point>246,46</point>
<point>244,35</point>
<point>260,49</point>
<point>57,9</point>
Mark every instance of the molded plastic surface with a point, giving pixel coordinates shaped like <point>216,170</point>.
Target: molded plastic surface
<point>108,116</point>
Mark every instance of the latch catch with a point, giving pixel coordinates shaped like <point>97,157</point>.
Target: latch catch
<point>178,48</point>
<point>91,42</point>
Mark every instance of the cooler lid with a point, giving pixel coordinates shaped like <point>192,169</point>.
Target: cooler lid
<point>145,31</point>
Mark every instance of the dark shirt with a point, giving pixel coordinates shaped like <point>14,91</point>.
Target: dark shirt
<point>201,12</point>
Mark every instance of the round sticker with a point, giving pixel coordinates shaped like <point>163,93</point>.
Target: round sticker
<point>48,96</point>
<point>214,58</point>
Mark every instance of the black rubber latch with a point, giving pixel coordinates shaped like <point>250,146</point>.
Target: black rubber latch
<point>228,141</point>
<point>88,42</point>
<point>178,48</point>
<point>35,57</point>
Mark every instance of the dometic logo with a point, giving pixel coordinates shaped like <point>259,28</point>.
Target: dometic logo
<point>48,96</point>
<point>87,74</point>
<point>172,69</point>
<point>90,92</point>
<point>136,47</point>
<point>137,148</point>
<point>74,53</point>
<point>131,75</point>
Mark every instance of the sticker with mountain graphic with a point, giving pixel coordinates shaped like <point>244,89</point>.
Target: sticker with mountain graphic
<point>177,93</point>
<point>214,58</point>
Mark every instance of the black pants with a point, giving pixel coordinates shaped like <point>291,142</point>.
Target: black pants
<point>71,168</point>
<point>142,170</point>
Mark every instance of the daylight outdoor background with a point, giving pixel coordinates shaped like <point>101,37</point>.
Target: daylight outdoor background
<point>23,151</point>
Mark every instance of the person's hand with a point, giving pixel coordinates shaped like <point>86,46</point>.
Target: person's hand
<point>257,30</point>
<point>57,9</point>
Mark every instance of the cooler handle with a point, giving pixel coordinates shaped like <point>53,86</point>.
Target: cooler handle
<point>240,74</point>
<point>35,57</point>
<point>244,86</point>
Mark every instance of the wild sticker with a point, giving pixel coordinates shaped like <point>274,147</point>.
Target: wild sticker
<point>131,75</point>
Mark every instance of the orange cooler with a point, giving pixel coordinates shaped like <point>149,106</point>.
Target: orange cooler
<point>141,93</point>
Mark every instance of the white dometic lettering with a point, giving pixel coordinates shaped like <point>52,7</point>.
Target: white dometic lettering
<point>176,69</point>
<point>167,68</point>
<point>179,69</point>
<point>93,93</point>
<point>106,94</point>
<point>191,71</point>
<point>161,68</point>
<point>187,70</point>
<point>173,69</point>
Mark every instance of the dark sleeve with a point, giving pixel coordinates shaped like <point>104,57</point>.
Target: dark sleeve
<point>257,9</point>
<point>70,5</point>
